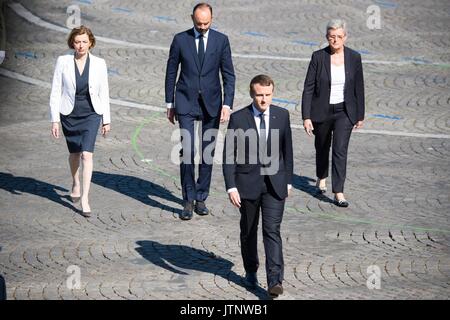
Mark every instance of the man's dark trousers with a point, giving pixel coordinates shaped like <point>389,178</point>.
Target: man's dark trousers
<point>271,208</point>
<point>191,189</point>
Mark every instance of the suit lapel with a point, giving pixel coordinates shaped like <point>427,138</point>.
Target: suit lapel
<point>327,62</point>
<point>273,125</point>
<point>209,46</point>
<point>193,47</point>
<point>92,72</point>
<point>347,65</point>
<point>71,70</point>
<point>251,119</point>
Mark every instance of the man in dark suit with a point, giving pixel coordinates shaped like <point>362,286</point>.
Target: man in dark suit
<point>258,168</point>
<point>203,55</point>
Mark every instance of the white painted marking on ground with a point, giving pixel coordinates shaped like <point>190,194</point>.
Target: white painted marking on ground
<point>29,16</point>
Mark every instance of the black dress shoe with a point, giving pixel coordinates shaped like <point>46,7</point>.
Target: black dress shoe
<point>201,209</point>
<point>187,212</point>
<point>341,203</point>
<point>251,279</point>
<point>276,290</point>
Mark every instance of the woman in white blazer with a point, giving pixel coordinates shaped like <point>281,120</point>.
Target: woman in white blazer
<point>79,100</point>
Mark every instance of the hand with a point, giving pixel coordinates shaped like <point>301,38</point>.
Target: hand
<point>358,125</point>
<point>307,124</point>
<point>289,191</point>
<point>55,130</point>
<point>235,199</point>
<point>105,129</point>
<point>171,115</point>
<point>225,115</point>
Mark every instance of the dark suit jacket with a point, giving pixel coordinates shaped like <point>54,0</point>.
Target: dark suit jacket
<point>195,79</point>
<point>317,88</point>
<point>238,169</point>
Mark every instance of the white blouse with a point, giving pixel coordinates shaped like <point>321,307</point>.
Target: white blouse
<point>337,84</point>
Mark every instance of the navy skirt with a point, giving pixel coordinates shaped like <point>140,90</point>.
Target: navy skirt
<point>80,131</point>
<point>80,127</point>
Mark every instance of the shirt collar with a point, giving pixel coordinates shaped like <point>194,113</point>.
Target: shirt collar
<point>256,112</point>
<point>197,34</point>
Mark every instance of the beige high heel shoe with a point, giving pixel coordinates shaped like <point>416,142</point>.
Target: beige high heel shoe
<point>321,189</point>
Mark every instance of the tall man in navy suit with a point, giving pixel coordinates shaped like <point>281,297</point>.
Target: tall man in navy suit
<point>203,55</point>
<point>258,167</point>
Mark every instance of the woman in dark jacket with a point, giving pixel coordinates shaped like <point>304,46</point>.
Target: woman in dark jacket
<point>332,105</point>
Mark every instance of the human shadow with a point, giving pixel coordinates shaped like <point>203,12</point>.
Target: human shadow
<point>302,183</point>
<point>2,286</point>
<point>17,185</point>
<point>180,258</point>
<point>138,189</point>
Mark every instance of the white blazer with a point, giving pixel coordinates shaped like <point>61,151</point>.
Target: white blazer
<point>62,97</point>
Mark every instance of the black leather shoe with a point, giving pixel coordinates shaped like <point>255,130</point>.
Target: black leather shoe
<point>341,203</point>
<point>276,290</point>
<point>201,209</point>
<point>251,279</point>
<point>187,212</point>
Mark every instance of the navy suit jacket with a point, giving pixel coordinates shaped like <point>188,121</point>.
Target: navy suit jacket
<point>245,175</point>
<point>195,79</point>
<point>317,88</point>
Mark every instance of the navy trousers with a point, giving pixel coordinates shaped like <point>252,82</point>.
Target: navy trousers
<point>336,129</point>
<point>271,208</point>
<point>191,189</point>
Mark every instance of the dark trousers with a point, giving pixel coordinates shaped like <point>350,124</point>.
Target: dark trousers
<point>191,189</point>
<point>272,214</point>
<point>337,128</point>
<point>2,288</point>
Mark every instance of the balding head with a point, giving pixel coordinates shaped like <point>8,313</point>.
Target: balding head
<point>202,17</point>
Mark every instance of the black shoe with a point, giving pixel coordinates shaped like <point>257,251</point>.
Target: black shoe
<point>341,203</point>
<point>251,279</point>
<point>187,212</point>
<point>201,209</point>
<point>276,290</point>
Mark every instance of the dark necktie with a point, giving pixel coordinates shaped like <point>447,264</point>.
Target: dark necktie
<point>262,137</point>
<point>201,49</point>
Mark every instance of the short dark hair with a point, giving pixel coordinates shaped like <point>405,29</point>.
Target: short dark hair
<point>79,31</point>
<point>263,80</point>
<point>202,5</point>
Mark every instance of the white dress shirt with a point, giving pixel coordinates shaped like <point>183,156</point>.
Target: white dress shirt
<point>205,38</point>
<point>205,42</point>
<point>257,117</point>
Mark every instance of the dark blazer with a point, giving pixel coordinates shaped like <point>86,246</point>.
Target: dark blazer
<point>317,88</point>
<point>195,79</point>
<point>244,174</point>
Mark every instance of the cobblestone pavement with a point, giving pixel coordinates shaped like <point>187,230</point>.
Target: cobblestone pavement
<point>135,247</point>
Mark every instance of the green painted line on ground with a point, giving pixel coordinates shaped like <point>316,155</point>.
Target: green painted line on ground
<point>152,166</point>
<point>134,143</point>
<point>328,216</point>
<point>331,216</point>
